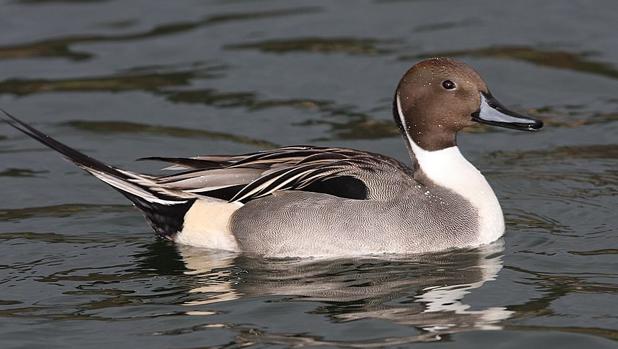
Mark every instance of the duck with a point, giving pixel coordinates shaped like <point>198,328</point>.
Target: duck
<point>320,201</point>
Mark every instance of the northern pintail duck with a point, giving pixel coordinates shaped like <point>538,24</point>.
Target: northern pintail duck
<point>327,201</point>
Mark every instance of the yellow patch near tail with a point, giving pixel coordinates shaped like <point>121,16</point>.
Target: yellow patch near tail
<point>206,224</point>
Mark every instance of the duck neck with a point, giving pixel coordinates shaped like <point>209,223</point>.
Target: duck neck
<point>449,169</point>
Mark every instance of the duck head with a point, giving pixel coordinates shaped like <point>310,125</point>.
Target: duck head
<point>438,97</point>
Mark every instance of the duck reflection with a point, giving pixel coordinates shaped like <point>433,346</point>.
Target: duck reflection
<point>423,291</point>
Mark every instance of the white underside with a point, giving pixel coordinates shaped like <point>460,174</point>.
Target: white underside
<point>449,169</point>
<point>206,225</point>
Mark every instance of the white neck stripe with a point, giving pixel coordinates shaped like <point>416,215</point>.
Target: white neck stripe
<point>402,118</point>
<point>449,169</point>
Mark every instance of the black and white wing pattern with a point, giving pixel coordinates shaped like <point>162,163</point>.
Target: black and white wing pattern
<point>165,200</point>
<point>338,171</point>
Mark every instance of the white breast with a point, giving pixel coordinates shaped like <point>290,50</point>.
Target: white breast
<point>448,168</point>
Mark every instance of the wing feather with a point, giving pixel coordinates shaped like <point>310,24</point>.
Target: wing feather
<point>253,175</point>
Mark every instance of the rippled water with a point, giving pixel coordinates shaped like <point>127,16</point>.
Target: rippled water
<point>126,79</point>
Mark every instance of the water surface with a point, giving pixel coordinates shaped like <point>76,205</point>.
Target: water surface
<point>121,80</point>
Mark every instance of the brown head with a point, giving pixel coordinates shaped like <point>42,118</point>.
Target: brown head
<point>438,97</point>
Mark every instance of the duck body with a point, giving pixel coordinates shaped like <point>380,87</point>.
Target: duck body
<point>374,206</point>
<point>302,201</point>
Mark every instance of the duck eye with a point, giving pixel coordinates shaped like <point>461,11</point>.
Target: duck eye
<point>448,84</point>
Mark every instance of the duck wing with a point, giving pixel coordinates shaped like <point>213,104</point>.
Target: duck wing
<point>341,172</point>
<point>165,200</point>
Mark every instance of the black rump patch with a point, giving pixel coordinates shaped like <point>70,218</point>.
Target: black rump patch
<point>165,220</point>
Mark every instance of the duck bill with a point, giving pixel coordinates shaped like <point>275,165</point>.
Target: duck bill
<point>494,113</point>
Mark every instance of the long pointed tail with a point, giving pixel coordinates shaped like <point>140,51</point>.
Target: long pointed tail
<point>163,211</point>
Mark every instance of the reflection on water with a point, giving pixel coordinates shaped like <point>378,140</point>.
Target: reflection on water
<point>593,151</point>
<point>61,47</point>
<point>585,174</point>
<point>116,127</point>
<point>20,172</point>
<point>446,25</point>
<point>64,210</point>
<point>555,59</point>
<point>137,79</point>
<point>319,45</point>
<point>425,291</point>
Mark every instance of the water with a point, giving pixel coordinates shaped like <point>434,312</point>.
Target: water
<point>126,79</point>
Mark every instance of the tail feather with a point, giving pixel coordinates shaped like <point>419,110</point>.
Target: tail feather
<point>164,212</point>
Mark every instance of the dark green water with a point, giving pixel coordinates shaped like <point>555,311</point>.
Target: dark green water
<point>126,79</point>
